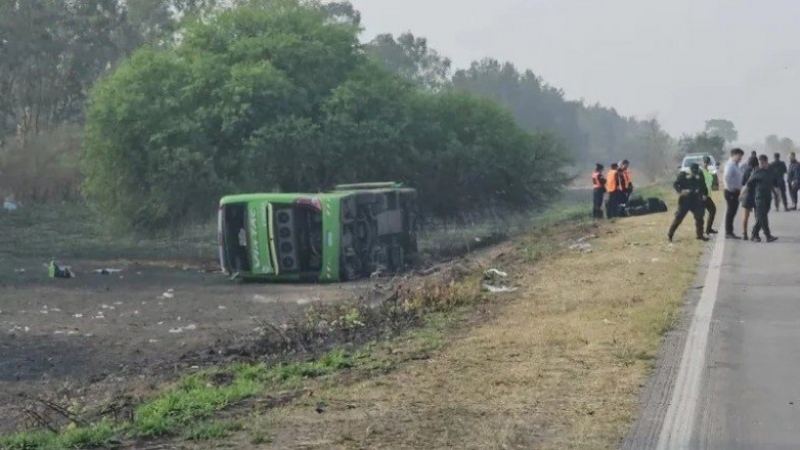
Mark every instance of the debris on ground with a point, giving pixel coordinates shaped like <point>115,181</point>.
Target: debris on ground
<point>182,329</point>
<point>10,205</point>
<point>169,294</point>
<point>587,238</point>
<point>498,289</point>
<point>19,271</point>
<point>581,247</point>
<point>56,271</point>
<point>493,281</point>
<point>107,271</point>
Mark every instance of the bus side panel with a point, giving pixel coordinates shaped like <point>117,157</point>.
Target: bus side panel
<point>257,221</point>
<point>331,232</point>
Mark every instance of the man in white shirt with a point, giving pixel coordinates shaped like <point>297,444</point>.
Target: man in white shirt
<point>733,187</point>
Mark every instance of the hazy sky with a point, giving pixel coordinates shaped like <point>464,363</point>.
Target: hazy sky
<point>683,61</point>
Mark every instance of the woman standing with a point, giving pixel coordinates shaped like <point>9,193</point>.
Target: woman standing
<point>748,198</point>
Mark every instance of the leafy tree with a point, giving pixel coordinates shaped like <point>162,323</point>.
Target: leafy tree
<point>411,58</point>
<point>775,144</point>
<point>722,128</point>
<point>277,95</point>
<point>703,143</point>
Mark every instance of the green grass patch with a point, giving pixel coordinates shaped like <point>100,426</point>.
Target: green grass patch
<point>206,431</point>
<point>189,405</point>
<point>72,230</point>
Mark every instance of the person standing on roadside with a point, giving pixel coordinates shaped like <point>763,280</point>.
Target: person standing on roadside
<point>748,196</point>
<point>793,179</point>
<point>692,190</point>
<point>733,188</point>
<point>614,186</point>
<point>599,191</point>
<point>763,182</point>
<point>779,171</point>
<point>624,167</point>
<point>708,202</point>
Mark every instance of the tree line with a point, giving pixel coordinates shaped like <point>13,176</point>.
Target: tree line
<point>169,104</point>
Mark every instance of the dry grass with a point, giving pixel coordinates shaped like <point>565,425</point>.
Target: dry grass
<point>560,365</point>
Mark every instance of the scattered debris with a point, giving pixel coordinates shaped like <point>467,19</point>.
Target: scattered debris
<point>66,332</point>
<point>581,247</point>
<point>10,205</point>
<point>169,294</point>
<point>493,281</point>
<point>107,271</point>
<point>182,329</point>
<point>56,271</point>
<point>491,273</point>
<point>498,289</point>
<point>78,316</point>
<point>262,299</point>
<point>587,238</point>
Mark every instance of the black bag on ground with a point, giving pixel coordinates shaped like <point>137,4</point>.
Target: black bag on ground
<point>638,211</point>
<point>636,201</point>
<point>656,205</point>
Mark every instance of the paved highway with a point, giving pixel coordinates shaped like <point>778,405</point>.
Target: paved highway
<point>729,378</point>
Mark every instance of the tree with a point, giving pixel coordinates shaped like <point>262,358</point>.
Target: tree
<point>723,128</point>
<point>656,150</point>
<point>275,94</point>
<point>703,143</point>
<point>411,58</point>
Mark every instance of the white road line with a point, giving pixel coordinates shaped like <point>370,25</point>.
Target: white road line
<point>676,431</point>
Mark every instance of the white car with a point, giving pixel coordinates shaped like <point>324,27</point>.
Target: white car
<point>697,158</point>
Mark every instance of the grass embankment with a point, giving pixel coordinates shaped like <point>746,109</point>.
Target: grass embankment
<point>559,366</point>
<point>556,364</point>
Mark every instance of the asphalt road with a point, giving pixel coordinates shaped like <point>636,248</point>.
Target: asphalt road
<point>729,378</point>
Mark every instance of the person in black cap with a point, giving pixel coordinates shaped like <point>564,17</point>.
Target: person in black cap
<point>599,191</point>
<point>692,191</point>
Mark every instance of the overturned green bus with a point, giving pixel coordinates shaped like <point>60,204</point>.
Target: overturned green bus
<point>344,234</point>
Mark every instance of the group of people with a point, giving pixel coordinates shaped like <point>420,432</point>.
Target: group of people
<point>751,186</point>
<point>617,183</point>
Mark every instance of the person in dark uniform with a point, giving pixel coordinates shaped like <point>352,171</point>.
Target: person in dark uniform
<point>692,191</point>
<point>748,198</point>
<point>763,183</point>
<point>599,191</point>
<point>793,179</point>
<point>779,172</point>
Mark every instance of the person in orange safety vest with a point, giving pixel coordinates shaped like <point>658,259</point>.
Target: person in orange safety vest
<point>615,186</point>
<point>599,191</point>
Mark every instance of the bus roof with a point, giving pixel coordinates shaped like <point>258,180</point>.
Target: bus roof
<point>278,197</point>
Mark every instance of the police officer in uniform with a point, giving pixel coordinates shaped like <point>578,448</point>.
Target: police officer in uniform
<point>763,182</point>
<point>692,191</point>
<point>779,169</point>
<point>599,185</point>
